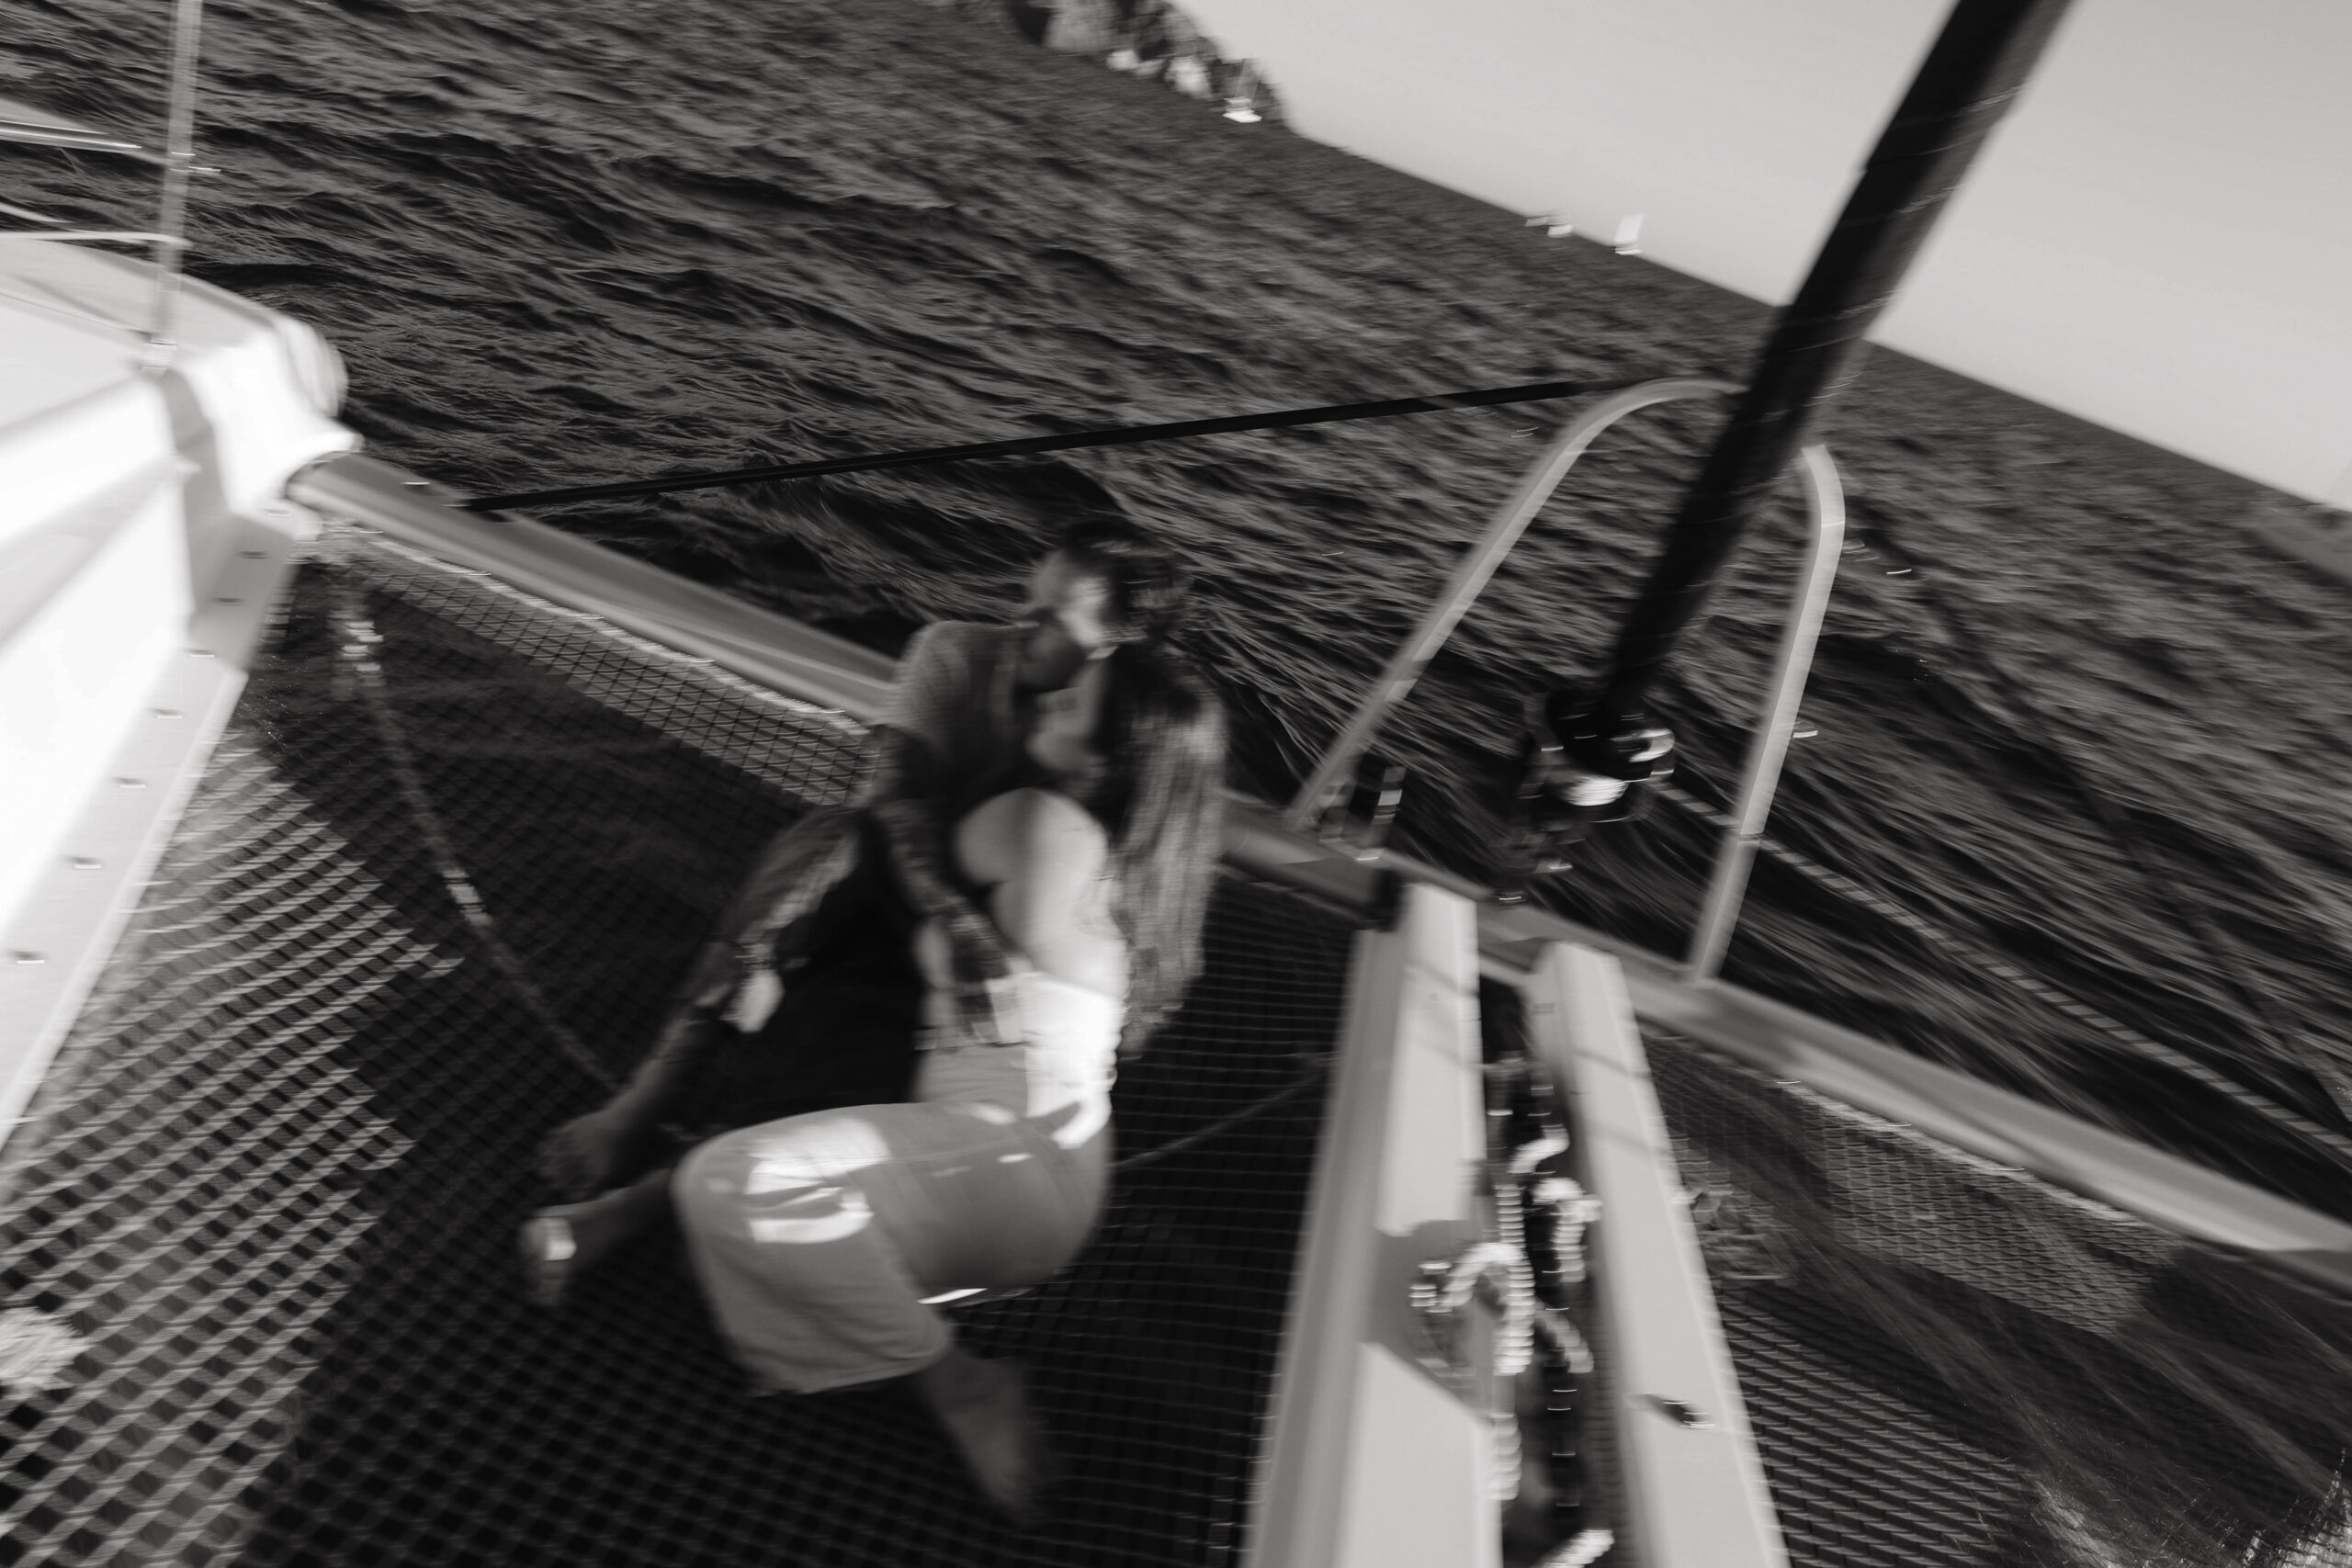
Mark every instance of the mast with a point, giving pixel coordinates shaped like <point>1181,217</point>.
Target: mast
<point>1968,81</point>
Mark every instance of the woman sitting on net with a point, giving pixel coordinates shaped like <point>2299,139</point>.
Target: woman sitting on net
<point>822,1240</point>
<point>808,997</point>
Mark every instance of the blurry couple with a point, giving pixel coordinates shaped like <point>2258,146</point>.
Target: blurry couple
<point>887,1083</point>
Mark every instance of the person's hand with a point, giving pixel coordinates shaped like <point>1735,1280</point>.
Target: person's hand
<point>984,963</point>
<point>584,1155</point>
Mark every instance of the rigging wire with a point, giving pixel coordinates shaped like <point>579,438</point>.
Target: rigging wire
<point>1126,435</point>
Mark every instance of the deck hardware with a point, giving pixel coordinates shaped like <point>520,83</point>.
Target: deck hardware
<point>1441,1294</point>
<point>163,713</point>
<point>1679,1413</point>
<point>130,783</point>
<point>228,599</point>
<point>1357,814</point>
<point>1570,784</point>
<point>22,957</point>
<point>83,863</point>
<point>200,653</point>
<point>1470,577</point>
<point>253,555</point>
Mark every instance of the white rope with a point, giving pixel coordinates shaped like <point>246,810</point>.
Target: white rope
<point>1499,1270</point>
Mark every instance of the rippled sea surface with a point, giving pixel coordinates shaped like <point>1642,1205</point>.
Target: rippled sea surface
<point>2067,712</point>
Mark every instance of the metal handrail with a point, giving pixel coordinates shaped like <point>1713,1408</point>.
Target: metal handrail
<point>1825,501</point>
<point>74,138</point>
<point>24,123</point>
<point>1517,510</point>
<point>1826,506</point>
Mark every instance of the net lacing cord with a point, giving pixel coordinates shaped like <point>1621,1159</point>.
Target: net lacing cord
<point>2121,1033</point>
<point>355,643</point>
<point>1310,1071</point>
<point>705,669</point>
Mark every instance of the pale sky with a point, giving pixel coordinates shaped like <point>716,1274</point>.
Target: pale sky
<point>2159,238</point>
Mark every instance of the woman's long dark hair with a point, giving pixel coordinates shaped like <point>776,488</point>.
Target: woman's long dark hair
<point>1161,798</point>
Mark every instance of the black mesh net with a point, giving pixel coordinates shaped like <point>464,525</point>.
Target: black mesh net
<point>261,1305</point>
<point>1947,1362</point>
<point>260,1298</point>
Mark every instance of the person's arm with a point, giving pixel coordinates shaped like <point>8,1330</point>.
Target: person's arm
<point>591,1152</point>
<point>907,794</point>
<point>906,805</point>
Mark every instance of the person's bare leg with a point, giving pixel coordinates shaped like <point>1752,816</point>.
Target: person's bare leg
<point>984,1406</point>
<point>560,1242</point>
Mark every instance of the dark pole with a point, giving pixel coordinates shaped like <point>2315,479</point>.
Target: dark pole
<point>1968,81</point>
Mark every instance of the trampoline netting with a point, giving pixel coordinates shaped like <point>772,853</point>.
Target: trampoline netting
<point>1950,1364</point>
<point>260,1302</point>
<point>260,1305</point>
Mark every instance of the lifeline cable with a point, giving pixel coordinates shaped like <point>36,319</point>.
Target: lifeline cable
<point>355,645</point>
<point>1128,435</point>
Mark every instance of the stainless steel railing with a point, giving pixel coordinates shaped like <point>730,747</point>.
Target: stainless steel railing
<point>1824,501</point>
<point>23,123</point>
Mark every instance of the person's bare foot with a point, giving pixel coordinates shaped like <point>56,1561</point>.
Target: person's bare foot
<point>984,1406</point>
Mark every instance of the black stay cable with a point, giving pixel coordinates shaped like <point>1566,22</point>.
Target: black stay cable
<point>1128,435</point>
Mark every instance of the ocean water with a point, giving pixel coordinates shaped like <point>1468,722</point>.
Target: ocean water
<point>2067,712</point>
